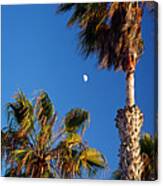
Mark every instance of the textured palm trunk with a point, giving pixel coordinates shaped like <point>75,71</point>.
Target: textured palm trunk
<point>129,122</point>
<point>130,91</point>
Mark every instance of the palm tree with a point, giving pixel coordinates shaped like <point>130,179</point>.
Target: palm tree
<point>32,148</point>
<point>112,31</point>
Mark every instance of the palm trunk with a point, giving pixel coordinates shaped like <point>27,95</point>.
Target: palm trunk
<point>130,100</point>
<point>129,122</point>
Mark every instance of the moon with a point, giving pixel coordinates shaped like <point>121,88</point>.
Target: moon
<point>85,77</point>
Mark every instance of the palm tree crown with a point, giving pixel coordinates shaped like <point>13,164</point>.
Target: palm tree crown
<point>111,30</point>
<point>32,148</point>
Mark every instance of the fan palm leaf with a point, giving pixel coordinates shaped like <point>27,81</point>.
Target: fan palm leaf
<point>111,30</point>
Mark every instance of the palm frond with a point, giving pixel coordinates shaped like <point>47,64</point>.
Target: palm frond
<point>73,139</point>
<point>149,149</point>
<point>76,119</point>
<point>112,31</point>
<point>21,113</point>
<point>44,108</point>
<point>65,7</point>
<point>92,157</point>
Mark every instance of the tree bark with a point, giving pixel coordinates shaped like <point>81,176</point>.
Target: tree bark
<point>129,121</point>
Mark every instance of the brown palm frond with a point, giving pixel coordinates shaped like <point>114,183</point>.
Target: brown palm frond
<point>110,30</point>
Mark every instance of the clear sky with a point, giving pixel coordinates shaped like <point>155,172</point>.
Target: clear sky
<point>40,52</point>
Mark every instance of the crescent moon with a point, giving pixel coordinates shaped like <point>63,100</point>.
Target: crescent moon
<point>85,77</point>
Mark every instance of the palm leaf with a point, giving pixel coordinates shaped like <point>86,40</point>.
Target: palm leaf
<point>65,7</point>
<point>22,112</point>
<point>73,139</point>
<point>76,119</point>
<point>112,31</point>
<point>91,156</point>
<point>149,149</point>
<point>44,108</point>
<point>147,144</point>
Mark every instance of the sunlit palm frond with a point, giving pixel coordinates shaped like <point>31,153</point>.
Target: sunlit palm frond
<point>44,108</point>
<point>92,157</point>
<point>73,139</point>
<point>21,114</point>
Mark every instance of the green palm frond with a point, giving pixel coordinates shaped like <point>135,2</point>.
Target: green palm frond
<point>76,119</point>
<point>92,157</point>
<point>46,117</point>
<point>147,144</point>
<point>149,148</point>
<point>73,139</point>
<point>22,113</point>
<point>44,108</point>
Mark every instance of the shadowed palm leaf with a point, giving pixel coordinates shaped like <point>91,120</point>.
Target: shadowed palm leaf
<point>20,114</point>
<point>149,147</point>
<point>76,119</point>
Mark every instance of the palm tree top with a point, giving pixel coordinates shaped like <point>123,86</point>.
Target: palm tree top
<point>110,30</point>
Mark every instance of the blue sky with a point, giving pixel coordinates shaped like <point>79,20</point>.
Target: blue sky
<point>40,52</point>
